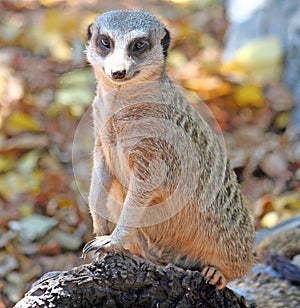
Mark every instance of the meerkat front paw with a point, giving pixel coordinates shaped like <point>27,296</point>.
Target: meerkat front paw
<point>214,277</point>
<point>102,244</point>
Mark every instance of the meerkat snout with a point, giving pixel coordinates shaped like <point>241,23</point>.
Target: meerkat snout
<point>118,74</point>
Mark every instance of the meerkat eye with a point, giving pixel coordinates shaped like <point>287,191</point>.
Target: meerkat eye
<point>139,46</point>
<point>104,42</point>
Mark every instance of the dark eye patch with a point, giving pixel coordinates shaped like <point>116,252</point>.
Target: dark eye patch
<point>104,43</point>
<point>139,46</point>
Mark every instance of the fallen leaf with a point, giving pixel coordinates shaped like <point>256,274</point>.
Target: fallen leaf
<point>274,164</point>
<point>6,163</point>
<point>7,264</point>
<point>52,248</point>
<point>287,201</point>
<point>6,237</point>
<point>33,227</point>
<point>49,3</point>
<point>19,122</point>
<point>15,286</point>
<point>14,184</point>
<point>282,120</point>
<point>208,87</point>
<point>24,141</point>
<point>248,95</point>
<point>177,59</point>
<point>28,162</point>
<point>279,97</point>
<point>67,240</point>
<point>75,91</point>
<point>270,219</point>
<point>259,61</point>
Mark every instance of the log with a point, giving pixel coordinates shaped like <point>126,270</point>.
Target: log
<point>123,280</point>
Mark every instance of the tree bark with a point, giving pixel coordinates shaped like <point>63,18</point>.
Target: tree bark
<point>122,280</point>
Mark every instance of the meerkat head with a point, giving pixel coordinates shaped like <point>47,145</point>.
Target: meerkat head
<point>127,46</point>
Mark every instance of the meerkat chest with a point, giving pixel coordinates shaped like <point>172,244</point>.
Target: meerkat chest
<point>116,148</point>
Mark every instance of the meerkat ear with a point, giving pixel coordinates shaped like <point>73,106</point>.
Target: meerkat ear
<point>165,42</point>
<point>89,32</point>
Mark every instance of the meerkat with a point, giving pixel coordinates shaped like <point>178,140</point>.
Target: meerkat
<point>161,186</point>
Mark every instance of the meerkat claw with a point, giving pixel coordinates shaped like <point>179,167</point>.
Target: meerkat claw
<point>88,247</point>
<point>105,247</point>
<point>214,277</point>
<point>101,244</point>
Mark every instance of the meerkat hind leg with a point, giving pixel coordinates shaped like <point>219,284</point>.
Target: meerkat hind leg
<point>214,277</point>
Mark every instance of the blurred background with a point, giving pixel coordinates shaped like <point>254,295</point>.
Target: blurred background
<point>243,65</point>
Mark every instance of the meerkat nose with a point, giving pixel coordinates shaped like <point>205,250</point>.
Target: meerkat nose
<point>118,74</point>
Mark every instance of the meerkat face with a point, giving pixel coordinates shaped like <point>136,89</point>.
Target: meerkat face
<point>126,46</point>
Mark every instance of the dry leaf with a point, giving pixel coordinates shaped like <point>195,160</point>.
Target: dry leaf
<point>20,122</point>
<point>248,95</point>
<point>259,61</point>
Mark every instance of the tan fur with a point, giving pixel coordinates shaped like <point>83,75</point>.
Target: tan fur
<point>216,237</point>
